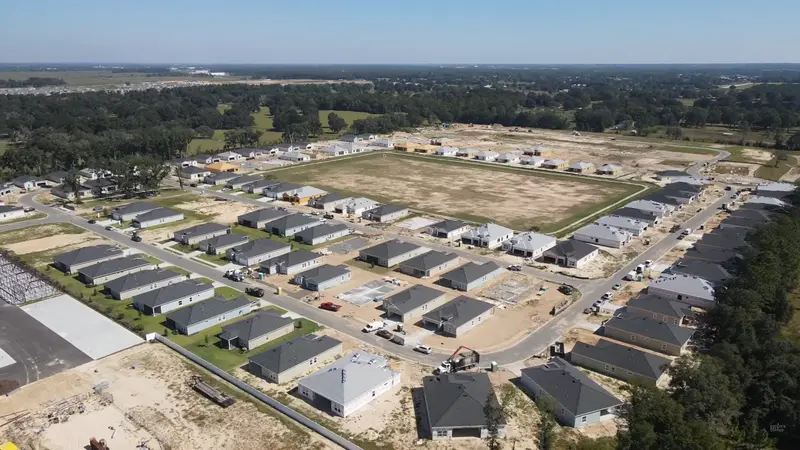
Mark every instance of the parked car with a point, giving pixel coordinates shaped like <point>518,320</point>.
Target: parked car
<point>384,333</point>
<point>98,208</point>
<point>617,287</point>
<point>109,228</point>
<point>193,185</point>
<point>92,221</point>
<point>515,268</point>
<point>136,238</point>
<point>28,209</point>
<point>727,188</point>
<point>422,349</point>
<point>566,289</point>
<point>370,327</point>
<point>607,295</point>
<point>328,216</point>
<point>330,306</point>
<point>254,291</point>
<point>648,263</point>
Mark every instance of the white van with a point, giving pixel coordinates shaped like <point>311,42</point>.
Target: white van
<point>374,326</point>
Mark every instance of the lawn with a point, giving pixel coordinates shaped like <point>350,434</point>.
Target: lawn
<point>228,293</point>
<point>183,248</point>
<point>519,198</point>
<point>775,169</point>
<point>218,259</point>
<point>249,195</point>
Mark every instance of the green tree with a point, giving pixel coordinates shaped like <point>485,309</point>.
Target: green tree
<point>179,175</point>
<point>674,132</point>
<point>73,182</point>
<point>335,122</point>
<point>547,424</point>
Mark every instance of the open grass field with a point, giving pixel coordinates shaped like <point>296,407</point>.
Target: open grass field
<point>517,198</point>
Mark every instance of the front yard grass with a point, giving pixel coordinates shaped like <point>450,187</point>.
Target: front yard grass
<point>183,248</point>
<point>219,260</point>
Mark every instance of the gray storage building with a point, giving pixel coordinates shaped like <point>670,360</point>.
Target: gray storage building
<point>71,262</point>
<point>172,297</point>
<point>102,272</point>
<point>459,315</point>
<point>429,264</point>
<point>412,302</point>
<point>620,361</point>
<point>471,275</point>
<point>141,282</point>
<point>202,232</point>
<point>257,219</point>
<point>291,263</point>
<point>323,233</point>
<point>454,405</point>
<point>391,253</point>
<point>254,252</point>
<point>255,330</point>
<point>323,277</point>
<point>293,358</point>
<point>200,316</point>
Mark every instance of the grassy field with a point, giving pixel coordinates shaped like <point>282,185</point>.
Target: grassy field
<point>774,169</point>
<point>218,259</point>
<point>521,199</point>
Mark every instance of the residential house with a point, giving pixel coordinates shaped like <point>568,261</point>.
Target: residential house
<point>471,275</point>
<point>448,229</point>
<point>156,217</point>
<point>739,222</point>
<point>385,213</point>
<point>657,308</point>
<point>198,233</point>
<point>205,159</point>
<point>603,235</point>
<point>350,138</point>
<point>487,156</point>
<point>58,177</point>
<point>301,146</point>
<point>637,214</point>
<point>425,148</point>
<point>229,156</point>
<point>29,182</point>
<point>632,226</point>
<point>577,399</point>
<point>292,263</point>
<point>67,193</point>
<point>255,330</point>
<point>200,316</point>
<point>581,167</point>
<point>323,277</point>
<point>530,244</point>
<point>356,206</point>
<point>291,224</point>
<point>533,161</point>
<point>709,271</point>
<point>458,316</point>
<point>684,288</point>
<point>429,264</point>
<point>192,173</point>
<point>141,282</point>
<point>322,233</point>
<point>104,271</point>
<point>609,169</point>
<point>661,198</point>
<point>447,151</point>
<point>258,187</point>
<point>679,194</point>
<point>172,297</point>
<point>259,218</point>
<point>254,252</point>
<point>366,137</point>
<point>753,214</point>
<point>466,152</point>
<point>761,202</point>
<point>559,164</point>
<point>8,189</point>
<point>409,304</point>
<point>329,202</point>
<point>541,150</point>
<point>101,186</point>
<point>391,253</point>
<point>443,141</point>
<point>386,143</point>
<point>722,256</point>
<point>239,182</point>
<point>669,176</point>
<point>648,333</point>
<point>350,383</point>
<point>304,195</point>
<point>455,405</point>
<point>73,261</point>
<point>294,357</point>
<point>488,235</point>
<point>93,174</point>
<point>509,158</point>
<point>652,208</point>
<point>11,212</point>
<point>251,153</point>
<point>221,178</point>
<point>295,157</point>
<point>281,190</point>
<point>130,211</point>
<point>223,167</point>
<point>221,244</point>
<point>334,150</point>
<point>620,361</point>
<point>405,146</point>
<point>571,253</point>
<point>775,189</point>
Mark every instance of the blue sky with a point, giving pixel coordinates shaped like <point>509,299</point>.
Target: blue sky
<point>399,31</point>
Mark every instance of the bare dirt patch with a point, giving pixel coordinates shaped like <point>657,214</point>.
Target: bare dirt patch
<point>61,241</point>
<point>732,168</point>
<point>756,155</point>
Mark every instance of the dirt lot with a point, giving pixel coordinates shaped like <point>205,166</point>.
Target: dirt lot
<point>516,199</point>
<point>48,240</point>
<point>146,400</point>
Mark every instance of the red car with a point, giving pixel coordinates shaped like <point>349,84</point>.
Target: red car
<point>330,306</point>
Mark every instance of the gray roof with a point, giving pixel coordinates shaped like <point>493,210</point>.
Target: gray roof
<point>659,197</point>
<point>201,230</point>
<point>457,399</point>
<point>135,207</point>
<point>224,240</point>
<point>488,232</point>
<point>320,230</point>
<point>531,241</point>
<point>26,178</point>
<point>208,309</point>
<point>284,186</point>
<point>255,326</point>
<point>261,184</point>
<point>160,213</point>
<point>685,285</point>
<point>244,179</point>
<point>429,260</point>
<point>660,306</point>
<point>263,215</point>
<point>411,298</point>
<point>651,328</point>
<point>101,183</point>
<point>633,214</point>
<point>115,265</point>
<point>384,210</point>
<point>672,173</point>
<point>742,222</point>
<point>140,279</point>
<point>87,254</point>
<point>222,176</point>
<point>604,232</point>
<point>683,186</point>
<point>633,360</point>
<point>570,388</point>
<point>622,222</point>
<point>259,247</point>
<point>188,170</point>
<point>390,249</point>
<point>292,258</point>
<point>291,221</point>
<point>349,377</point>
<point>327,198</point>
<point>470,272</point>
<point>704,252</point>
<point>571,249</point>
<point>706,270</point>
<point>449,225</point>
<point>753,214</point>
<point>459,311</point>
<point>719,239</point>
<point>172,292</point>
<point>293,352</point>
<point>323,273</point>
<point>57,176</point>
<point>9,208</point>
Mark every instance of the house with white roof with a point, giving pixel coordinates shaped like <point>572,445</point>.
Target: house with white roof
<point>603,235</point>
<point>488,235</point>
<point>486,156</point>
<point>229,156</point>
<point>684,288</point>
<point>533,161</point>
<point>447,151</point>
<point>609,169</point>
<point>295,157</point>
<point>356,206</point>
<point>652,208</point>
<point>465,152</point>
<point>509,158</point>
<point>334,150</point>
<point>633,226</point>
<point>530,244</point>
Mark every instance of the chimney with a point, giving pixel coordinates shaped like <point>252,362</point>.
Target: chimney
<point>344,375</point>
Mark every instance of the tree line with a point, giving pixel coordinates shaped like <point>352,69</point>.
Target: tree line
<point>34,82</point>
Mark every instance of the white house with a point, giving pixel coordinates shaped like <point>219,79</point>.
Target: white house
<point>230,156</point>
<point>447,151</point>
<point>684,288</point>
<point>295,156</point>
<point>488,235</point>
<point>530,244</point>
<point>603,235</point>
<point>487,156</point>
<point>11,212</point>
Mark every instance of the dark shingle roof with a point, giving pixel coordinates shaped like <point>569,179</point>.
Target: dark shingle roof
<point>9,208</point>
<point>633,214</point>
<point>293,352</point>
<point>291,221</point>
<point>709,271</point>
<point>725,241</point>
<point>429,260</point>
<point>208,309</point>
<point>320,230</point>
<point>470,272</point>
<point>113,266</point>
<point>570,388</point>
<point>259,247</point>
<point>140,279</point>
<point>171,293</point>
<point>390,249</point>
<point>571,249</point>
<point>661,306</point>
<point>459,311</point>
<point>224,241</point>
<point>323,273</point>
<point>384,210</point>
<point>662,198</point>
<point>654,329</point>
<point>189,170</point>
<point>160,213</point>
<point>87,254</point>
<point>411,299</point>
<point>244,179</point>
<point>135,207</point>
<point>672,173</point>
<point>449,225</point>
<point>292,258</point>
<point>222,176</point>
<point>202,229</point>
<point>457,399</point>
<point>327,198</point>
<point>262,215</point>
<point>636,361</point>
<point>253,327</point>
<point>704,252</point>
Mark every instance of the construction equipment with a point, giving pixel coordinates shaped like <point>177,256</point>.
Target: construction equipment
<point>234,275</point>
<point>459,360</point>
<point>210,392</point>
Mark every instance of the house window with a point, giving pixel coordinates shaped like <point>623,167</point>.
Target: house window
<point>633,338</point>
<point>680,297</point>
<point>663,346</point>
<point>441,433</point>
<point>613,369</point>
<point>180,302</point>
<point>583,419</point>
